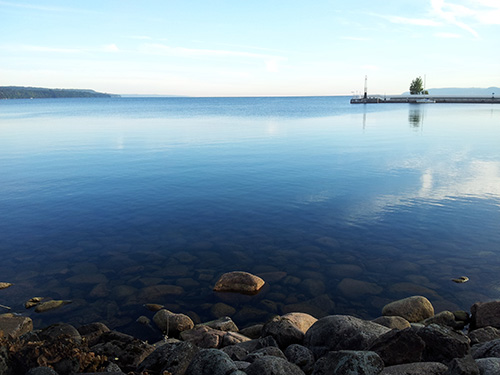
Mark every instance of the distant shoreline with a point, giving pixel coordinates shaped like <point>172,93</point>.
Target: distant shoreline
<point>19,92</point>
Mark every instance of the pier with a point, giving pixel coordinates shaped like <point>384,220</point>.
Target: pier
<point>422,99</point>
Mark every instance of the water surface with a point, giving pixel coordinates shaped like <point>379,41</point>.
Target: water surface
<point>340,208</point>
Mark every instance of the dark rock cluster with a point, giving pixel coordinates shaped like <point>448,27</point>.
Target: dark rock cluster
<point>408,339</point>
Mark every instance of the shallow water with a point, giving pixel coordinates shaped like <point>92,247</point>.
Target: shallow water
<point>340,208</point>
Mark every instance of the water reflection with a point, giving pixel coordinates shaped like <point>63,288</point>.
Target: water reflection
<point>416,117</point>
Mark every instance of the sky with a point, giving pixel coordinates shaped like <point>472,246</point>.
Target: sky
<point>249,47</point>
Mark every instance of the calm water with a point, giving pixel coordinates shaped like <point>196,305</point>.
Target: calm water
<point>340,208</point>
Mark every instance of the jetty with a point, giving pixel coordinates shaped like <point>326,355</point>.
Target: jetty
<point>423,99</point>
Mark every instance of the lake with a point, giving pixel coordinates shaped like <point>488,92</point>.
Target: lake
<point>117,202</point>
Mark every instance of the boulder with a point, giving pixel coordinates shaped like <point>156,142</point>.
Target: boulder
<point>223,324</point>
<point>488,366</point>
<point>486,349</point>
<point>15,326</point>
<point>92,332</point>
<point>392,322</point>
<point>42,370</point>
<point>485,314</point>
<point>347,362</point>
<point>212,362</point>
<point>341,332</point>
<point>59,330</point>
<point>235,352</point>
<point>233,338</point>
<point>413,309</point>
<point>463,366</point>
<point>253,345</point>
<point>271,365</point>
<point>254,332</point>
<point>263,352</point>
<point>239,282</point>
<point>204,337</point>
<point>284,332</point>
<point>171,323</point>
<point>221,309</point>
<point>419,368</point>
<point>483,335</point>
<point>442,344</point>
<point>399,346</point>
<point>444,318</point>
<point>301,320</point>
<point>128,350</point>
<point>171,358</point>
<point>301,356</point>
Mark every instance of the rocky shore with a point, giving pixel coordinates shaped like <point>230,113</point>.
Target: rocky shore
<point>408,338</point>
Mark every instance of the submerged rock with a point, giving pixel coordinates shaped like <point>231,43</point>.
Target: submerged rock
<point>4,285</point>
<point>50,305</point>
<point>239,282</point>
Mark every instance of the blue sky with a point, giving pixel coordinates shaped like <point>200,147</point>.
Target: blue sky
<point>249,47</point>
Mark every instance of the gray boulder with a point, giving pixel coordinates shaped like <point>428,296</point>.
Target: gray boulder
<point>15,326</point>
<point>129,350</point>
<point>485,314</point>
<point>224,323</point>
<point>463,366</point>
<point>445,318</point>
<point>486,349</point>
<point>212,362</point>
<point>442,344</point>
<point>169,358</point>
<point>488,366</point>
<point>347,362</point>
<point>91,332</point>
<point>301,356</point>
<point>399,346</point>
<point>264,352</point>
<point>419,368</point>
<point>41,371</point>
<point>271,365</point>
<point>57,331</point>
<point>341,332</point>
<point>483,335</point>
<point>413,309</point>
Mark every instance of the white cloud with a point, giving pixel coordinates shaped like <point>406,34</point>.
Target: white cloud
<point>356,38</point>
<point>412,21</point>
<point>110,48</point>
<point>448,35</point>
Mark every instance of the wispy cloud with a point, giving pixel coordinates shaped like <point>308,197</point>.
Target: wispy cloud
<point>38,7</point>
<point>453,13</point>
<point>355,38</point>
<point>272,62</point>
<point>448,35</point>
<point>411,21</point>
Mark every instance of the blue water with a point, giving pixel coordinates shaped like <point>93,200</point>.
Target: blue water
<point>342,208</point>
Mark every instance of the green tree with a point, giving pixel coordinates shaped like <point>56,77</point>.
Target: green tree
<point>417,86</point>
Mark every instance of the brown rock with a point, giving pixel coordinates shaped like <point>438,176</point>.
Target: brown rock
<point>239,282</point>
<point>172,323</point>
<point>221,309</point>
<point>50,305</point>
<point>393,322</point>
<point>4,285</point>
<point>15,326</point>
<point>413,309</point>
<point>301,321</point>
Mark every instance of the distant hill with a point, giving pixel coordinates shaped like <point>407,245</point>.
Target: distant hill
<point>463,91</point>
<point>19,92</point>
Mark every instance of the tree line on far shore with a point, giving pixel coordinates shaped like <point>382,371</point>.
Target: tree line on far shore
<point>15,92</point>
